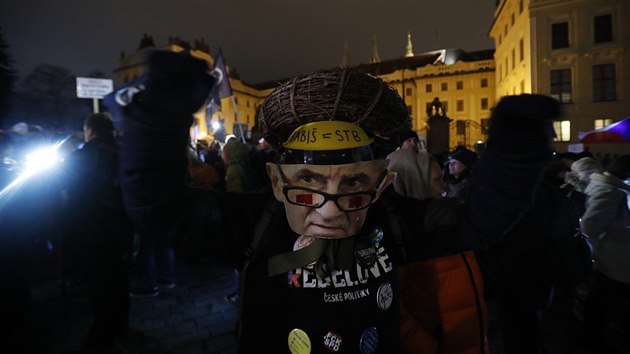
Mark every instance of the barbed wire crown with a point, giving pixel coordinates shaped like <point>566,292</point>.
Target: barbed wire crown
<point>336,95</point>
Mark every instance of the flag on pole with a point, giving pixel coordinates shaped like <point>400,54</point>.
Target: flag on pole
<point>122,96</point>
<point>221,88</point>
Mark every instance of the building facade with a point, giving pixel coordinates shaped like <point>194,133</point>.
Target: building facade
<point>577,51</point>
<point>464,83</point>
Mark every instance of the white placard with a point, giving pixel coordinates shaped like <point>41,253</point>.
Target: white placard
<point>88,87</point>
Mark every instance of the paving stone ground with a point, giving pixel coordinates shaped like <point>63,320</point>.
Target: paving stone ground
<point>194,318</point>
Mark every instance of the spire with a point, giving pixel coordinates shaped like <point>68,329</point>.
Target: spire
<point>344,59</point>
<point>375,58</point>
<point>409,46</point>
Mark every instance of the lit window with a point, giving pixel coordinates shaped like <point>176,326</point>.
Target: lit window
<point>561,85</point>
<point>563,130</point>
<point>600,123</point>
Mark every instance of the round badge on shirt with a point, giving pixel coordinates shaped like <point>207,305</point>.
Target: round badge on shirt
<point>299,342</point>
<point>332,341</point>
<point>384,296</point>
<point>369,341</point>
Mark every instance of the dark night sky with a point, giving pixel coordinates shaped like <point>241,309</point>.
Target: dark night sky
<point>263,39</point>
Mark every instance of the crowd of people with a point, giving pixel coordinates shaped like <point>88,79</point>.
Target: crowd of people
<point>340,226</point>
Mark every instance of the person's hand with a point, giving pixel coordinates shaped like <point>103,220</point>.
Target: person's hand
<point>177,83</point>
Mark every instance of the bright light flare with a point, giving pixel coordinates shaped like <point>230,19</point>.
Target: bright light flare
<point>41,159</point>
<point>216,125</point>
<point>37,161</point>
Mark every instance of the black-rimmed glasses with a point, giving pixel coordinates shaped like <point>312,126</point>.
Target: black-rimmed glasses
<point>312,198</point>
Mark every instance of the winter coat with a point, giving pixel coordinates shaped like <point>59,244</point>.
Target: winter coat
<point>97,225</point>
<point>442,307</point>
<point>410,181</point>
<point>442,304</point>
<point>543,250</point>
<point>607,222</point>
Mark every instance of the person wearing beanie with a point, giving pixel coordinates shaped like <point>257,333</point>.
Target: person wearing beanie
<point>459,170</point>
<point>319,252</point>
<point>411,141</point>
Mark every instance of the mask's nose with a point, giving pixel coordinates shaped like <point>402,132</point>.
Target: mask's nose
<point>329,210</point>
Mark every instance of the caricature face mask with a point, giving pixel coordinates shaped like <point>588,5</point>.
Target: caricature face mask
<point>327,179</point>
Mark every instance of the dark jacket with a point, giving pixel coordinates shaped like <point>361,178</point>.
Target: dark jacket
<point>96,221</point>
<point>542,251</point>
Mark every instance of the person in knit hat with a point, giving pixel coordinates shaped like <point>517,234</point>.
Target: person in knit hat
<point>459,170</point>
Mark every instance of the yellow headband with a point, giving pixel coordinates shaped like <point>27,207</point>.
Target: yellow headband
<point>327,135</point>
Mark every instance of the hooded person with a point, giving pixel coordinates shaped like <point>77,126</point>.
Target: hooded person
<point>319,253</point>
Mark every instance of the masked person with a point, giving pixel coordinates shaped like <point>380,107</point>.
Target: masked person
<point>319,255</point>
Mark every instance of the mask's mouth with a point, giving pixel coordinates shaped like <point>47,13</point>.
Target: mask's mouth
<point>328,255</point>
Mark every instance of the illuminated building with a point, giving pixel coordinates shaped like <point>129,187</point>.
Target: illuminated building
<point>576,51</point>
<point>573,50</point>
